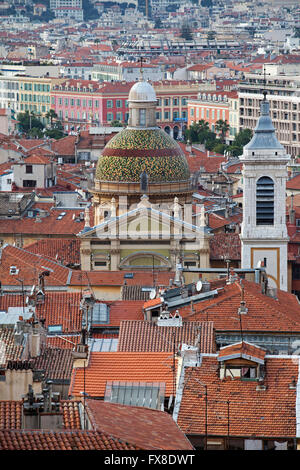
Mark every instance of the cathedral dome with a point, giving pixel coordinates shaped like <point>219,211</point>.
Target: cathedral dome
<point>134,150</point>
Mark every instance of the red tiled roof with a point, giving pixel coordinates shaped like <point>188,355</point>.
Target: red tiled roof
<point>71,414</point>
<point>59,308</point>
<point>217,221</point>
<point>125,310</point>
<point>264,313</point>
<point>242,350</point>
<point>293,183</point>
<point>142,336</point>
<point>60,440</point>
<point>122,366</point>
<point>57,363</point>
<point>116,278</point>
<point>264,413</point>
<point>64,342</point>
<point>225,246</point>
<point>199,159</point>
<point>147,428</point>
<point>68,225</point>
<point>11,414</point>
<point>30,266</point>
<point>62,250</point>
<point>152,303</point>
<point>64,146</point>
<point>35,159</point>
<point>9,351</point>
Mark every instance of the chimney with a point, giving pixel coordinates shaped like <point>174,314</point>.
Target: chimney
<point>188,146</point>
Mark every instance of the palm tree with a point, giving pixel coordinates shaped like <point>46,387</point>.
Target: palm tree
<point>222,127</point>
<point>51,115</point>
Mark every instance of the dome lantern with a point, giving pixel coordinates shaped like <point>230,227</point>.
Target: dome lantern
<point>142,104</point>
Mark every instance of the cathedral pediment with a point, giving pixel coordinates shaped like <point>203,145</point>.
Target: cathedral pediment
<point>144,222</point>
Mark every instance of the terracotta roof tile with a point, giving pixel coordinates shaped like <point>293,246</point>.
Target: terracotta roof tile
<point>125,310</point>
<point>30,265</point>
<point>117,278</point>
<point>264,313</point>
<point>264,413</point>
<point>10,414</point>
<point>147,428</point>
<point>59,308</point>
<point>57,364</point>
<point>62,250</point>
<point>122,366</point>
<point>9,351</point>
<point>61,440</point>
<point>225,246</point>
<point>142,336</point>
<point>242,349</point>
<point>69,225</point>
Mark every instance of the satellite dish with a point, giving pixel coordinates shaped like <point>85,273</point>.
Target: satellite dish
<point>152,294</point>
<point>199,286</point>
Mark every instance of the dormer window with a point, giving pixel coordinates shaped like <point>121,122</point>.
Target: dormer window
<point>243,361</point>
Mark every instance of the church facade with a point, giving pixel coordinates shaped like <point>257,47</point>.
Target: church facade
<point>142,199</point>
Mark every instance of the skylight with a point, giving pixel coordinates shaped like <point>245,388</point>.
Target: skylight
<point>144,394</point>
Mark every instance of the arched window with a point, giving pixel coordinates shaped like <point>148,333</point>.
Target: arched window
<point>265,201</point>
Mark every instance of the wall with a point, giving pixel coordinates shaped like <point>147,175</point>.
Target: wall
<point>16,384</point>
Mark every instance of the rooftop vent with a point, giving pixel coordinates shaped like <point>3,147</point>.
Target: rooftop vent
<point>61,215</point>
<point>128,276</point>
<point>13,270</point>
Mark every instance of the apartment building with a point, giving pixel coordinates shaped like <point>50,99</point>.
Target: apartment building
<point>67,9</point>
<point>22,94</point>
<point>283,94</point>
<point>128,71</point>
<point>34,95</point>
<point>88,103</point>
<point>9,92</point>
<point>212,106</point>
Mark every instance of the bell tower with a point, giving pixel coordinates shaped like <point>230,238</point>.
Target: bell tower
<point>264,236</point>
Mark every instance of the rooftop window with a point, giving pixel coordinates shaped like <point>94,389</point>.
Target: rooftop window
<point>143,394</point>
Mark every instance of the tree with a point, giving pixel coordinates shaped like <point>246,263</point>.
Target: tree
<point>220,148</point>
<point>158,23</point>
<point>222,127</point>
<point>35,133</point>
<point>186,32</point>
<point>89,11</point>
<point>51,116</point>
<point>56,131</point>
<point>211,35</point>
<point>297,32</point>
<point>243,137</point>
<point>28,121</point>
<point>240,140</point>
<point>197,131</point>
<point>116,123</point>
<point>200,132</point>
<point>206,3</point>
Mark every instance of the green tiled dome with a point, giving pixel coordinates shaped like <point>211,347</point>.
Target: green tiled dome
<point>133,150</point>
